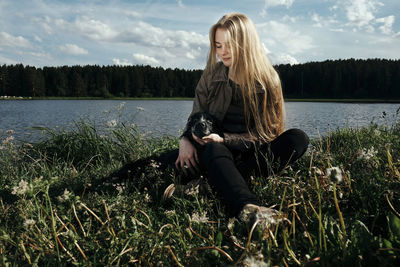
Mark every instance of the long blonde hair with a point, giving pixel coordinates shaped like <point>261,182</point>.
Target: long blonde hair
<point>251,69</point>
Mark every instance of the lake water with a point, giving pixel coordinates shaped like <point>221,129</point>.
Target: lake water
<point>160,117</point>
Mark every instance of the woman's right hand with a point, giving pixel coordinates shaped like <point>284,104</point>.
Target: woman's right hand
<point>187,158</point>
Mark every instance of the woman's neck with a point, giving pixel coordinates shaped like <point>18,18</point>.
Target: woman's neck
<point>231,76</point>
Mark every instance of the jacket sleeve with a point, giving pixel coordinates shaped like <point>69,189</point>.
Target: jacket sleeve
<point>240,141</point>
<point>199,103</point>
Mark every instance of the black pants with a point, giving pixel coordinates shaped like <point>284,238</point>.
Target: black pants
<point>227,170</point>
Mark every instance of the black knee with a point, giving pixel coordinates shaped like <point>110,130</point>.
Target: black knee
<point>290,146</point>
<point>298,140</point>
<point>213,151</point>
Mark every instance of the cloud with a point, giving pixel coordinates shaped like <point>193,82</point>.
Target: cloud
<point>149,35</point>
<point>282,58</point>
<point>388,21</point>
<point>360,13</point>
<point>73,49</point>
<point>145,60</point>
<point>277,35</point>
<point>272,3</point>
<point>7,39</point>
<point>94,29</point>
<point>44,23</point>
<point>122,62</point>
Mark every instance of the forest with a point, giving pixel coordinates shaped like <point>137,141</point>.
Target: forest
<point>330,79</point>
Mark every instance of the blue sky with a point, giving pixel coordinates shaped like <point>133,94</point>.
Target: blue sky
<point>174,34</point>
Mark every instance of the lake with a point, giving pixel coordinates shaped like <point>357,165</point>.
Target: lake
<point>160,117</point>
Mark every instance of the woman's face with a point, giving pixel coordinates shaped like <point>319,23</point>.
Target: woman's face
<point>222,46</point>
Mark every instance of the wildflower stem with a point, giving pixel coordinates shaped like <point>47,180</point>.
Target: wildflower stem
<point>53,222</point>
<point>291,253</point>
<point>338,211</point>
<point>294,215</point>
<point>280,211</point>
<point>168,247</point>
<point>94,214</point>
<point>26,253</point>
<point>391,206</point>
<point>216,248</point>
<point>79,222</point>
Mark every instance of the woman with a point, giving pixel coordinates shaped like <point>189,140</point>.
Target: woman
<point>240,88</point>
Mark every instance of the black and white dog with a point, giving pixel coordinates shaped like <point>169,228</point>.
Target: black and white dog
<point>200,124</point>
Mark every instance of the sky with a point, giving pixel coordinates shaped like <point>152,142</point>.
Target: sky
<point>174,33</point>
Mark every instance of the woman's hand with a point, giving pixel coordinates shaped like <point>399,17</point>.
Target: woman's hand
<point>187,158</point>
<point>208,139</point>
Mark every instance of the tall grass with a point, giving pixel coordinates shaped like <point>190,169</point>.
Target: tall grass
<point>342,200</point>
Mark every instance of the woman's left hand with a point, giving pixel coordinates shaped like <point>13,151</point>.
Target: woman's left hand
<point>208,139</point>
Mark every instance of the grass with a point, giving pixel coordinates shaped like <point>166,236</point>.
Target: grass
<point>342,200</point>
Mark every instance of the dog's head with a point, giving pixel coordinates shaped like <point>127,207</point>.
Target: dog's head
<point>203,124</point>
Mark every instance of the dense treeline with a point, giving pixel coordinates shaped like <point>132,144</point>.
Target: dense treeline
<point>372,78</point>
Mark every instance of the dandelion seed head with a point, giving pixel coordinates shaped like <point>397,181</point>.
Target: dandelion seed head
<point>254,262</point>
<point>112,123</point>
<point>10,132</point>
<point>335,173</point>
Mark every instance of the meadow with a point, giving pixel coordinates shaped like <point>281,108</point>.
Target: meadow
<point>341,202</point>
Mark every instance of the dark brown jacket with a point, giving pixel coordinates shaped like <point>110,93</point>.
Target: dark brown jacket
<point>214,95</point>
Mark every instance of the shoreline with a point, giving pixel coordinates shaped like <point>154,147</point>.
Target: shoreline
<point>338,100</point>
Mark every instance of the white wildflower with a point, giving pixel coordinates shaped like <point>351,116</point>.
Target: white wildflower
<point>169,213</point>
<point>10,132</point>
<point>147,198</point>
<point>377,132</point>
<point>154,164</point>
<point>21,189</point>
<point>335,173</point>
<point>140,109</point>
<point>8,140</point>
<point>29,222</point>
<point>112,123</point>
<point>202,218</point>
<point>121,106</point>
<point>65,196</point>
<point>254,262</point>
<point>367,154</point>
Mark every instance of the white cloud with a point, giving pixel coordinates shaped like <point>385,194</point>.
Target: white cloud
<point>180,4</point>
<point>37,39</point>
<point>317,19</point>
<point>277,35</point>
<point>7,39</point>
<point>282,58</point>
<point>388,21</point>
<point>123,62</point>
<point>272,3</point>
<point>73,49</point>
<point>147,34</point>
<point>360,13</point>
<point>145,60</point>
<point>94,29</point>
<point>44,24</point>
